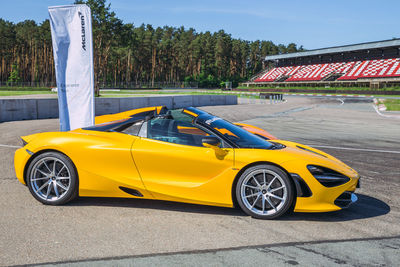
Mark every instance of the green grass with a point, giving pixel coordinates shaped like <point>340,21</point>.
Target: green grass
<point>16,93</point>
<point>160,92</point>
<point>124,93</point>
<point>392,104</point>
<point>146,93</point>
<point>9,88</point>
<point>136,93</point>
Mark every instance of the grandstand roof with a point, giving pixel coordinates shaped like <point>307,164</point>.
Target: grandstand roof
<point>339,49</point>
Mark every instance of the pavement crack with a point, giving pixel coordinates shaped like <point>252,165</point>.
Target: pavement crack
<point>286,112</point>
<point>268,250</point>
<point>336,260</point>
<point>292,262</point>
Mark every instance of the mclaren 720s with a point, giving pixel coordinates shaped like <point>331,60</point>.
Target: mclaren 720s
<point>185,155</point>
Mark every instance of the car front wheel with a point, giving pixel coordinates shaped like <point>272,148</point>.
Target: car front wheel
<point>264,192</point>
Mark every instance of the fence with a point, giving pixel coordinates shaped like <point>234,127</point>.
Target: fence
<point>28,84</point>
<point>147,85</point>
<point>32,109</point>
<point>110,85</point>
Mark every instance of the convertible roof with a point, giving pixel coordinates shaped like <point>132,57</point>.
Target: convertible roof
<point>194,111</point>
<point>108,126</point>
<point>129,119</point>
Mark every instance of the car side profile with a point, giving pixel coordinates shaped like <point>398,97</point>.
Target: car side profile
<point>185,155</point>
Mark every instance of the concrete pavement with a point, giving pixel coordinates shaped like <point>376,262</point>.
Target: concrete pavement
<point>90,229</point>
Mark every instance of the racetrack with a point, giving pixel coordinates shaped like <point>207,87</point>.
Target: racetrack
<point>91,229</point>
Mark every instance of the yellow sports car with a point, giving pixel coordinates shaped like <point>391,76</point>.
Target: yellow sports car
<point>185,155</point>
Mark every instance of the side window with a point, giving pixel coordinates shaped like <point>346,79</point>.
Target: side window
<point>173,131</point>
<point>132,129</point>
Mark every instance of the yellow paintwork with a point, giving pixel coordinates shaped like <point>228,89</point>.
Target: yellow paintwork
<point>190,113</point>
<point>176,176</point>
<point>124,115</point>
<point>168,171</point>
<point>256,130</point>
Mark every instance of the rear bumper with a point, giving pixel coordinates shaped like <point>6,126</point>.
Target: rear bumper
<point>21,157</point>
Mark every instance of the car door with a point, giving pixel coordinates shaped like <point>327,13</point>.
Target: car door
<point>175,166</point>
<point>104,161</point>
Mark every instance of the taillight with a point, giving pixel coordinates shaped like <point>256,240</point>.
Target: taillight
<point>24,143</point>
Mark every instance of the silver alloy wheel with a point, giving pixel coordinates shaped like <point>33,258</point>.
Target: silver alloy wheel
<point>50,179</point>
<point>264,192</point>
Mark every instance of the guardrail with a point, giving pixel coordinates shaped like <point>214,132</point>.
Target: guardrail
<point>273,98</point>
<point>47,108</point>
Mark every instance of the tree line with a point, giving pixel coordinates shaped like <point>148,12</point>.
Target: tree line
<point>124,53</point>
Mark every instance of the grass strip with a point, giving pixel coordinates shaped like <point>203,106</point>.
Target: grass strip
<point>392,104</point>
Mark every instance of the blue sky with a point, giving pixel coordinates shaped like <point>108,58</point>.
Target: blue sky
<point>313,24</point>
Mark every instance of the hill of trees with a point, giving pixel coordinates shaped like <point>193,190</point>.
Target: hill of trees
<point>127,53</point>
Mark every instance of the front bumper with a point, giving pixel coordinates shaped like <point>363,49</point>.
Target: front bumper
<point>346,199</point>
<point>322,198</point>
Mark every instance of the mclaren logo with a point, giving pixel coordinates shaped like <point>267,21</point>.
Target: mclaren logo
<point>83,35</point>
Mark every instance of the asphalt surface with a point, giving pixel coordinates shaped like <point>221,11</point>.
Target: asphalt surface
<point>126,232</point>
<point>376,252</point>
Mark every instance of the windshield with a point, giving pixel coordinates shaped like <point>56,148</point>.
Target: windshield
<point>235,134</point>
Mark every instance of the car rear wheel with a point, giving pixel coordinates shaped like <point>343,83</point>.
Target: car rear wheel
<point>264,192</point>
<point>52,178</point>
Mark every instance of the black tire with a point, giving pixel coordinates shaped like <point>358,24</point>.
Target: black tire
<point>260,199</point>
<point>47,180</point>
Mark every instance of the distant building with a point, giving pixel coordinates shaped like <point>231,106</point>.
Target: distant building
<point>374,64</point>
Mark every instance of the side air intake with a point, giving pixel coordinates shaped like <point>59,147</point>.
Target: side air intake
<point>131,191</point>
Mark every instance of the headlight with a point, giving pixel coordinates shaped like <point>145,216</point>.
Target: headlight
<point>327,177</point>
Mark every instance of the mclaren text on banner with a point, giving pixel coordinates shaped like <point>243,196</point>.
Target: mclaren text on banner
<point>71,32</point>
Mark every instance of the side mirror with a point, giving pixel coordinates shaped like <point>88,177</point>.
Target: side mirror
<point>210,141</point>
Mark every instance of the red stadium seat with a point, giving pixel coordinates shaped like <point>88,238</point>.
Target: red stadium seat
<point>374,69</point>
<point>293,71</point>
<point>304,73</point>
<point>274,74</point>
<point>352,70</point>
<point>327,70</point>
<point>380,68</point>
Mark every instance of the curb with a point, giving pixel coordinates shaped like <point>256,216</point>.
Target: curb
<point>288,94</point>
<point>369,96</point>
<point>381,107</point>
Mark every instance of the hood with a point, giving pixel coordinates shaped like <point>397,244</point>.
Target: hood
<point>317,157</point>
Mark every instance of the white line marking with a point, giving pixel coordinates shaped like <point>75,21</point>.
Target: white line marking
<point>10,146</point>
<point>341,100</point>
<point>384,115</point>
<point>358,149</point>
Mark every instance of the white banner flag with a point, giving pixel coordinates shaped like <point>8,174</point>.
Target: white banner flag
<point>71,33</point>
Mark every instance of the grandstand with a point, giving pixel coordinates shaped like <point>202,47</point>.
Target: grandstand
<point>373,64</point>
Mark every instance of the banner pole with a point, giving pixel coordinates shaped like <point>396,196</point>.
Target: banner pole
<point>71,34</point>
